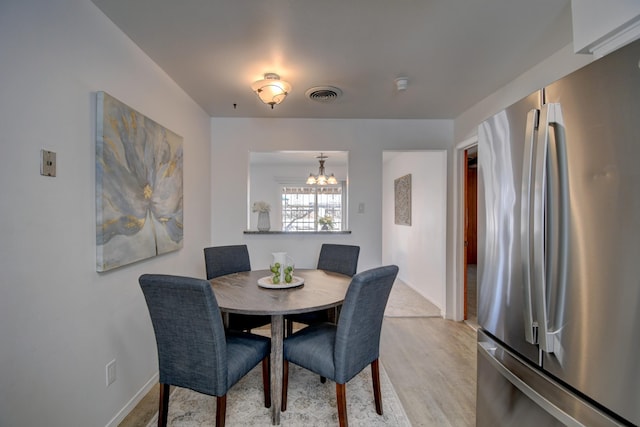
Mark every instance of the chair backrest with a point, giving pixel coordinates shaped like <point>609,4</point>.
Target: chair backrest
<point>360,322</point>
<point>221,260</point>
<point>189,332</point>
<point>339,258</point>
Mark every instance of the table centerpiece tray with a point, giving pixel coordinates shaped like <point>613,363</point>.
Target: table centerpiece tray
<point>267,282</point>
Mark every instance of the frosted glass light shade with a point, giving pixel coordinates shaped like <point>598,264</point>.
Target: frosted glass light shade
<point>271,90</point>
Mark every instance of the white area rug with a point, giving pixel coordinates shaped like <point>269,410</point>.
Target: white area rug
<point>404,301</point>
<point>310,403</point>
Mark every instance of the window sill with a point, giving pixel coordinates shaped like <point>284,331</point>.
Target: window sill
<point>297,232</point>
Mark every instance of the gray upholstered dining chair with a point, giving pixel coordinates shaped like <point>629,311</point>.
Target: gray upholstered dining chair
<point>341,259</point>
<point>222,260</point>
<point>339,352</point>
<point>193,350</point>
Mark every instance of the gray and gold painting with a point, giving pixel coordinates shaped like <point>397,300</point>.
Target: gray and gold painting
<point>138,186</point>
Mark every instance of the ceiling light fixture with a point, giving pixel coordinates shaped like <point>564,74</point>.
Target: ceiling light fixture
<point>271,90</point>
<point>321,178</point>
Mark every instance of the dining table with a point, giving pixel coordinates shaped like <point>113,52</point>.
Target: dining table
<point>310,290</point>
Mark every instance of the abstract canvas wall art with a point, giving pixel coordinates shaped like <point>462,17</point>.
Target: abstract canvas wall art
<point>402,193</point>
<point>138,186</point>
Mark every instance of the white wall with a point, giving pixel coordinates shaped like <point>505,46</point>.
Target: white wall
<point>601,27</point>
<point>60,321</point>
<point>420,249</point>
<point>365,140</point>
<point>558,65</point>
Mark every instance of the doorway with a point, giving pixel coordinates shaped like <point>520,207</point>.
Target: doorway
<point>470,234</point>
<point>417,246</point>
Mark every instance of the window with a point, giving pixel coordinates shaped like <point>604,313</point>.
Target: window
<point>312,208</point>
<point>279,179</point>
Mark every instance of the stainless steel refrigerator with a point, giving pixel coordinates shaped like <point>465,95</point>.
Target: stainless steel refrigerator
<point>559,252</point>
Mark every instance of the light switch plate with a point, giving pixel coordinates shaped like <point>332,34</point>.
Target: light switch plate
<point>47,163</point>
<point>111,372</point>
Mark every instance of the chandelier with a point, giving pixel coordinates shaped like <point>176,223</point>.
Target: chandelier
<point>271,90</point>
<point>321,178</point>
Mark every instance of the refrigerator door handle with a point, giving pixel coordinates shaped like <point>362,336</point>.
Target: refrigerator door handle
<point>488,351</point>
<point>549,226</point>
<point>530,326</point>
<point>544,392</point>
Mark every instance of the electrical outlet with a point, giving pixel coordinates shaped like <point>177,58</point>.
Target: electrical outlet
<point>111,372</point>
<point>47,163</point>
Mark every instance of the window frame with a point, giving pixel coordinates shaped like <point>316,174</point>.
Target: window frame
<point>317,208</point>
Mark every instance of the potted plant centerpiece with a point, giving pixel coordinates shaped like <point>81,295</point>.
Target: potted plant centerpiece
<point>326,222</point>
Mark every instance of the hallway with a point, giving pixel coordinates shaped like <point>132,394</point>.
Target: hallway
<point>431,363</point>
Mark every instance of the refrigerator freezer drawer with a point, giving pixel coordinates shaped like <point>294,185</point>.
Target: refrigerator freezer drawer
<point>510,392</point>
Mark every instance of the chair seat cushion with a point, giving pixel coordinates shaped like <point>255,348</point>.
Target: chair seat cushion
<point>244,351</point>
<point>313,348</point>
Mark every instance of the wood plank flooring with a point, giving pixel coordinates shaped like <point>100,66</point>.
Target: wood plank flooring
<point>431,363</point>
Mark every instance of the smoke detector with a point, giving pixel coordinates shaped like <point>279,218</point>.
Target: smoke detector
<point>402,83</point>
<point>323,93</point>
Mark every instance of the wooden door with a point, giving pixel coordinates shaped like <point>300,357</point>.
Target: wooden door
<point>472,213</point>
<point>470,218</point>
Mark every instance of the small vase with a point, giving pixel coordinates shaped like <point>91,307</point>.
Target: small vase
<point>264,224</point>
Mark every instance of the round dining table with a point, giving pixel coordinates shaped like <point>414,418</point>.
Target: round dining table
<point>240,293</point>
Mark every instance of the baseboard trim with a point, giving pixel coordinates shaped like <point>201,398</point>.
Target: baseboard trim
<point>117,419</point>
<point>419,291</point>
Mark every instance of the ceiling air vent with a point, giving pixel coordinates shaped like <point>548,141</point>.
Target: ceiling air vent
<point>323,93</point>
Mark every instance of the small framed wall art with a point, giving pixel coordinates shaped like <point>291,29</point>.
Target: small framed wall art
<point>402,197</point>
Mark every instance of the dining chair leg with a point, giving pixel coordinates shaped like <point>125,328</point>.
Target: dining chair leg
<point>341,394</point>
<point>163,409</point>
<point>221,410</point>
<point>285,385</point>
<point>375,374</point>
<point>289,328</point>
<point>266,386</point>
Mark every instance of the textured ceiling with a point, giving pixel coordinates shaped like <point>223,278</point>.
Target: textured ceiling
<point>453,52</point>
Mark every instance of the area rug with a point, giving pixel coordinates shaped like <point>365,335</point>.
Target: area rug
<point>310,403</point>
<point>404,301</point>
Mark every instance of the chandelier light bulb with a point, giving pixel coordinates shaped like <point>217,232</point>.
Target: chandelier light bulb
<point>311,180</point>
